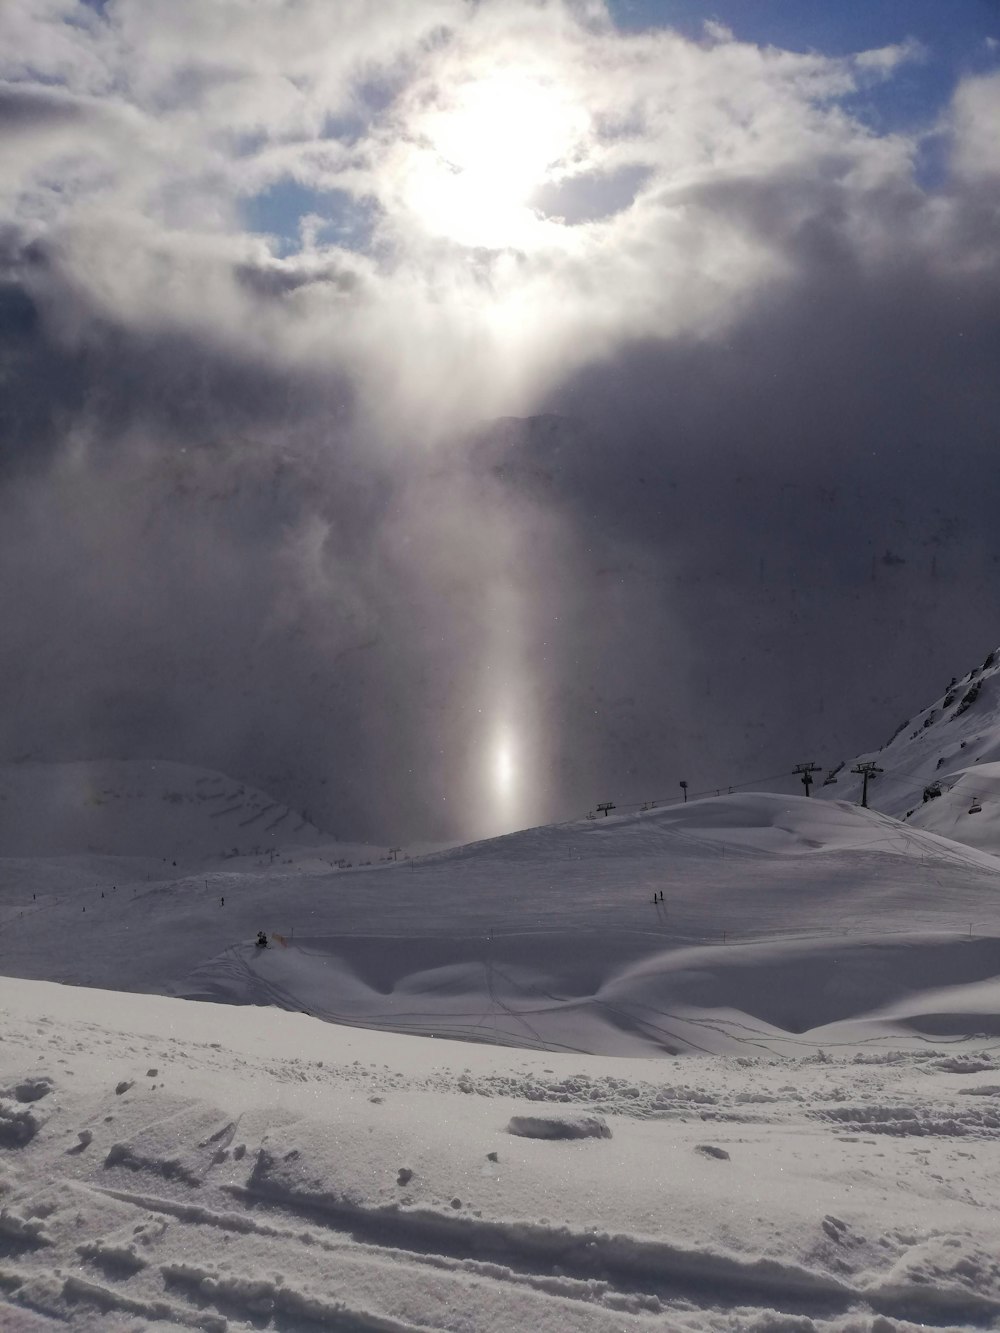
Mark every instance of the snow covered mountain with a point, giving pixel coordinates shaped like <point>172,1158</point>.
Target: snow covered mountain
<point>113,807</point>
<point>941,768</point>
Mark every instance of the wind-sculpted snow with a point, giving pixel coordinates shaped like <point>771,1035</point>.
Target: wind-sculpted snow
<point>544,991</point>
<point>779,915</point>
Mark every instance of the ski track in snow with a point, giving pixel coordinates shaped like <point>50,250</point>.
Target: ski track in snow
<point>304,1157</point>
<point>358,1193</point>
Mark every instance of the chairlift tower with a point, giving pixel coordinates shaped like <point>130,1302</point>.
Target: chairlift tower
<point>807,771</point>
<point>869,769</point>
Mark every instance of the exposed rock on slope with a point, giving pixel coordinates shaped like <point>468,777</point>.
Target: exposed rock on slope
<point>941,768</point>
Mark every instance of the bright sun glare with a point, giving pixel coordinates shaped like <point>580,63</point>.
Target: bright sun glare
<point>501,788</point>
<point>503,773</point>
<point>485,151</point>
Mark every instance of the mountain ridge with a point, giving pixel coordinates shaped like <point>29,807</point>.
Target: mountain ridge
<point>941,767</point>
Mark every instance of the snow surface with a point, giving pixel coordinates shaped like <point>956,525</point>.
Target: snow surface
<point>185,1165</point>
<point>779,915</point>
<point>305,1156</point>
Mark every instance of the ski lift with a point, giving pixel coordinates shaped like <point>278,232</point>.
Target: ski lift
<point>976,807</point>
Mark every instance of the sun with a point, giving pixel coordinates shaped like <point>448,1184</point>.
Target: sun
<point>501,797</point>
<point>482,150</point>
<point>504,770</point>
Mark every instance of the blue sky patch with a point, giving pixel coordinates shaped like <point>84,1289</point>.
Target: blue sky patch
<point>280,210</point>
<point>955,35</point>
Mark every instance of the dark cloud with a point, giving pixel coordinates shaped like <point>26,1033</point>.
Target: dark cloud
<point>185,533</point>
<point>36,378</point>
<point>804,514</point>
<point>24,109</point>
<point>737,552</point>
<point>243,522</point>
<point>274,281</point>
<point>593,196</point>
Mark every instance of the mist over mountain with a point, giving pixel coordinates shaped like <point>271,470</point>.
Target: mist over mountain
<point>743,613</point>
<point>442,470</point>
<point>332,626</point>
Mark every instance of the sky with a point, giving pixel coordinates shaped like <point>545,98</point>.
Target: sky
<point>451,415</point>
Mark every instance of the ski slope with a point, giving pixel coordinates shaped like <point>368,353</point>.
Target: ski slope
<point>305,1156</point>
<point>779,915</point>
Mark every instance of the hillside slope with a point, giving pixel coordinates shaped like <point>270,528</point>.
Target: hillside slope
<point>113,807</point>
<point>806,913</point>
<point>940,764</point>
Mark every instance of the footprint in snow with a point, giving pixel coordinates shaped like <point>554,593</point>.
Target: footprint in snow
<point>962,1064</point>
<point>29,1090</point>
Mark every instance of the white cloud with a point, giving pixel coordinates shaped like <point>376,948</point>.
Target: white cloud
<point>976,123</point>
<point>448,118</point>
<point>883,60</point>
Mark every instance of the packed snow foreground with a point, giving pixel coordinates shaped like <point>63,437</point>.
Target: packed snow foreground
<point>770,1101</point>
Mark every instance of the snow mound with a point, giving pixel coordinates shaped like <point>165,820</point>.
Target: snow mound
<point>730,922</point>
<point>559,1127</point>
<point>618,994</point>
